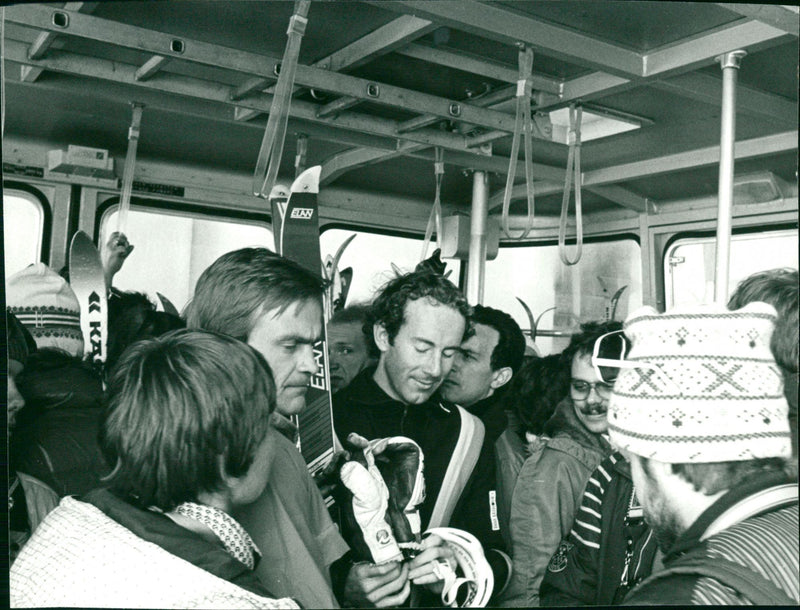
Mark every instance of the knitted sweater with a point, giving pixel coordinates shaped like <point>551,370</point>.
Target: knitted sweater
<point>80,557</point>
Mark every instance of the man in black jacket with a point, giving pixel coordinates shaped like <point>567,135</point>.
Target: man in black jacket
<point>484,366</point>
<point>419,323</point>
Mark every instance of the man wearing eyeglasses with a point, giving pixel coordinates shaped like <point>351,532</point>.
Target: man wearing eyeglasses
<point>552,479</point>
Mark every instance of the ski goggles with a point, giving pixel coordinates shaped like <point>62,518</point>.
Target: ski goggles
<point>607,368</point>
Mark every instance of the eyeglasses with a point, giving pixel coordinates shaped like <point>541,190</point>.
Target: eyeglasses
<point>613,341</point>
<point>581,389</point>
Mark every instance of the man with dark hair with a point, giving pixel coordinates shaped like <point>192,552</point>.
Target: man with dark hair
<point>781,289</point>
<point>699,412</point>
<point>161,534</point>
<point>351,351</point>
<point>539,386</point>
<point>420,322</point>
<point>551,480</point>
<point>275,306</point>
<point>486,361</point>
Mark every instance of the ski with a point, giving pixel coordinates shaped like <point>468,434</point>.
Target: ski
<point>299,240</point>
<point>87,280</point>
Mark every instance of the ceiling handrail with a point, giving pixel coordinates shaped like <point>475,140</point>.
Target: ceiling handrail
<point>522,123</point>
<point>435,218</point>
<point>573,163</point>
<point>269,157</point>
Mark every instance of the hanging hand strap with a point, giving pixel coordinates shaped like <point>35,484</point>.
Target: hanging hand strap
<point>130,163</point>
<point>435,219</point>
<point>573,162</point>
<point>522,123</point>
<point>269,157</point>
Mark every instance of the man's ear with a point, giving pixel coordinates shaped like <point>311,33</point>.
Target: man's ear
<point>501,377</point>
<point>381,336</point>
<point>226,478</point>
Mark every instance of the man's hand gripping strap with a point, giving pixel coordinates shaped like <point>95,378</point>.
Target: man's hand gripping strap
<point>471,584</point>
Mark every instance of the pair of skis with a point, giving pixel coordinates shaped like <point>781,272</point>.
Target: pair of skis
<point>297,239</point>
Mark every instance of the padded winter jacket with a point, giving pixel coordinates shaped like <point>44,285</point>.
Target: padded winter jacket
<point>546,497</point>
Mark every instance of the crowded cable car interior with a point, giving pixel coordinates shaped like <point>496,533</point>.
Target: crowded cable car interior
<point>410,303</point>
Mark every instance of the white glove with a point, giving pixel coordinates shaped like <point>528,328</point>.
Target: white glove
<point>370,502</point>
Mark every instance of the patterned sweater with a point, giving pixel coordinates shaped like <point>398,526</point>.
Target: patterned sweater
<point>80,557</point>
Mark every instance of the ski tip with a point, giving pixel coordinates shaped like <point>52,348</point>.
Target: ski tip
<point>308,181</point>
<point>279,192</point>
<point>167,305</point>
<point>80,236</point>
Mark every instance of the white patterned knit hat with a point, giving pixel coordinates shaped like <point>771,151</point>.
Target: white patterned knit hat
<point>713,392</point>
<point>44,302</point>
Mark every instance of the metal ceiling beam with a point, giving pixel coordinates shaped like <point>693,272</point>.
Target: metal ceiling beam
<point>591,86</point>
<point>149,41</point>
<point>352,159</point>
<point>597,180</point>
<point>45,40</point>
<point>384,40</point>
<point>702,157</point>
<point>510,27</point>
<point>487,101</point>
<point>151,66</point>
<point>210,110</point>
<point>786,18</point>
<point>475,65</point>
<point>348,160</point>
<point>622,196</point>
<point>708,88</point>
<point>490,163</point>
<point>689,54</point>
<point>616,194</point>
<point>92,67</point>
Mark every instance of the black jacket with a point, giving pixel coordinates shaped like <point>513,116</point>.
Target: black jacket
<point>363,407</point>
<point>609,548</point>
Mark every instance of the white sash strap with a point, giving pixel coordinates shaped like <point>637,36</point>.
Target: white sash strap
<point>462,463</point>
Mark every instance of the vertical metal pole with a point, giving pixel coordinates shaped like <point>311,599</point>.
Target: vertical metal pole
<point>477,237</point>
<point>730,72</point>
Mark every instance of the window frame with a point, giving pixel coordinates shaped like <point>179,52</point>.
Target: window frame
<point>190,210</point>
<point>681,236</point>
<point>37,197</point>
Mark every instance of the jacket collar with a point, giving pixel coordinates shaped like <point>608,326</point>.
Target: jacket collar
<point>564,422</point>
<point>751,485</point>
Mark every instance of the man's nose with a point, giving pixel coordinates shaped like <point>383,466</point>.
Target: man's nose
<point>306,361</point>
<point>433,366</point>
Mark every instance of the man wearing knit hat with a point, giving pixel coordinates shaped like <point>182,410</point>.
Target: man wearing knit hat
<point>698,409</point>
<point>44,302</point>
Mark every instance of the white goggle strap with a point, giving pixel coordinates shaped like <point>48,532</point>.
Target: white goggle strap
<point>622,363</point>
<point>478,575</point>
